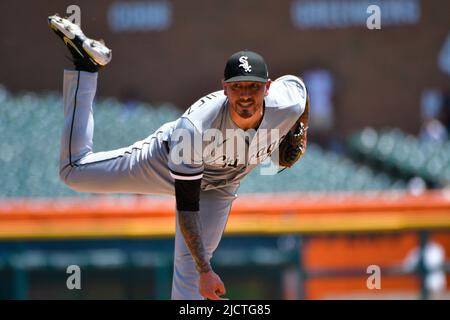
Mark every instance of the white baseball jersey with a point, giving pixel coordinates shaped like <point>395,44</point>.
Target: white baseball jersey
<point>225,161</point>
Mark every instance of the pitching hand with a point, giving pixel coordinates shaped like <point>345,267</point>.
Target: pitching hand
<point>211,286</point>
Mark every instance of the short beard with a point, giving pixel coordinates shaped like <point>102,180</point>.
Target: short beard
<point>245,114</point>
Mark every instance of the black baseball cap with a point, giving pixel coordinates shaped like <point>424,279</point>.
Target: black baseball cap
<point>246,66</point>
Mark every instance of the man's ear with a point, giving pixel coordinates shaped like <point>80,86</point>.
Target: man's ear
<point>224,88</point>
<point>269,82</point>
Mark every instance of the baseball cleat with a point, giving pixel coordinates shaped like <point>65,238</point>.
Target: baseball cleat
<point>88,54</point>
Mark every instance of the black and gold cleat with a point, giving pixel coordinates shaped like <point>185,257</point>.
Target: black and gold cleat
<point>88,54</point>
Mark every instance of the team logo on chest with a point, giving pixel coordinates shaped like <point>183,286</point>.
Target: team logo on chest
<point>244,64</point>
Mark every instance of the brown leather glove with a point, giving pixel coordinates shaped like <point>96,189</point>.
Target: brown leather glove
<point>293,146</point>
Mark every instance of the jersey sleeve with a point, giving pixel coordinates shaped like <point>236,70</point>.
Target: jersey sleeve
<point>294,92</point>
<point>185,156</point>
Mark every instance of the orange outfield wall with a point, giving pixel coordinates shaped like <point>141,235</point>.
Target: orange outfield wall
<point>390,218</point>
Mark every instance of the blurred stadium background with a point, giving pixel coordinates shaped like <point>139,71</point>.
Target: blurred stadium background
<point>373,188</point>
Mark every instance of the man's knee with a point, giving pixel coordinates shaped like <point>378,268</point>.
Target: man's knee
<point>67,176</point>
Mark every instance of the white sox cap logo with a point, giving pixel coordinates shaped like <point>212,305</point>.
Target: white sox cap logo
<point>244,64</point>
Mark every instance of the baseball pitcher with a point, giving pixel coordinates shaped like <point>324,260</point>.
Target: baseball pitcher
<point>200,157</point>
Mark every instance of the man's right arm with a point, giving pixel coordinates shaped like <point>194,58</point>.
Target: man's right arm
<point>187,174</point>
<point>186,168</point>
<point>187,193</point>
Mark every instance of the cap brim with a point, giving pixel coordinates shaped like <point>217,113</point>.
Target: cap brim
<point>246,79</point>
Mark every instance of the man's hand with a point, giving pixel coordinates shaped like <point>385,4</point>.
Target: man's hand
<point>211,286</point>
<point>293,146</point>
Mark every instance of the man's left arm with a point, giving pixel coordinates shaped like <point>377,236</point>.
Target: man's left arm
<point>293,145</point>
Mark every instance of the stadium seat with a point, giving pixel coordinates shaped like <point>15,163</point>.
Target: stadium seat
<point>31,124</point>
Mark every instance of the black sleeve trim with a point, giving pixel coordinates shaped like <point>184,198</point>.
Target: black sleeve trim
<point>187,194</point>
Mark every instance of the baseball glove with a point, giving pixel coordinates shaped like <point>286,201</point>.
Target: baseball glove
<point>293,145</point>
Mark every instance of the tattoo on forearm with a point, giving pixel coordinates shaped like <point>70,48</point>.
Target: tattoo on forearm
<point>189,222</point>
